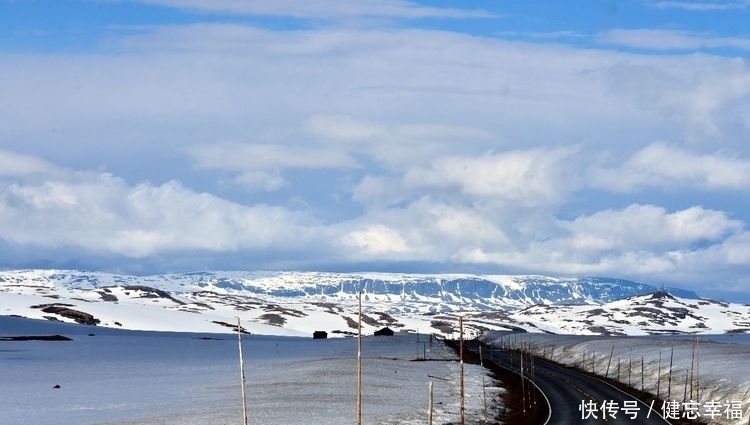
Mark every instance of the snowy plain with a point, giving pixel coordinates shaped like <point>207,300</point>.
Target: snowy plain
<point>720,368</point>
<point>111,376</point>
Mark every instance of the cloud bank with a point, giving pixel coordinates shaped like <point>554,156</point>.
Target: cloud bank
<point>231,144</point>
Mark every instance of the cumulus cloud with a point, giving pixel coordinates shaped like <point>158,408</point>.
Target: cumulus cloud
<point>668,166</point>
<point>100,212</point>
<point>530,177</point>
<point>640,240</point>
<point>645,227</point>
<point>374,241</point>
<point>454,148</point>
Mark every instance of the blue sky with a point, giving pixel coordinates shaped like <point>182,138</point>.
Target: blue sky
<point>609,139</point>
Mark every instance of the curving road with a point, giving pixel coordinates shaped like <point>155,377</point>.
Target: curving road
<point>575,398</point>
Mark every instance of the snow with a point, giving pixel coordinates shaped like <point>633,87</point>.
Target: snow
<point>148,378</point>
<point>723,362</point>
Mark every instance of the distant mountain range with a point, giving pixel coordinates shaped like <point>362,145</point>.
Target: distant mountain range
<point>301,302</point>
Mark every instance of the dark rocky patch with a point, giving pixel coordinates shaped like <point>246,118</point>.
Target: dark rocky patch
<point>330,307</point>
<point>107,296</point>
<point>64,310</point>
<point>443,326</point>
<point>273,319</point>
<point>601,330</point>
<point>35,338</point>
<point>283,310</point>
<point>231,326</point>
<point>351,322</point>
<point>149,292</point>
<point>370,320</point>
<point>387,318</point>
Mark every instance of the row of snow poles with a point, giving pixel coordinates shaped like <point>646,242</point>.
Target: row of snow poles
<point>359,372</point>
<point>691,387</point>
<point>521,359</point>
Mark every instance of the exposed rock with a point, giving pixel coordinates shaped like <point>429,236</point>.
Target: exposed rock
<point>64,310</point>
<point>35,338</point>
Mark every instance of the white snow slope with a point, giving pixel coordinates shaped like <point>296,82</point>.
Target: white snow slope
<point>290,303</point>
<point>115,377</point>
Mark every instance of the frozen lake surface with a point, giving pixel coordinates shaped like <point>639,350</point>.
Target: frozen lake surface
<point>131,377</point>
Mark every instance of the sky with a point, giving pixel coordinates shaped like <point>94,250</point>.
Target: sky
<point>601,138</point>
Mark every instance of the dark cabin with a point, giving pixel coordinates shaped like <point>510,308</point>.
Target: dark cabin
<point>320,335</point>
<point>384,332</point>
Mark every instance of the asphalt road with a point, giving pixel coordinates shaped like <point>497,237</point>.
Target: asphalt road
<point>575,398</point>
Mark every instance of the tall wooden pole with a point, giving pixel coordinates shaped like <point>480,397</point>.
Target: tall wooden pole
<point>669,380</point>
<point>359,361</point>
<point>242,373</point>
<point>642,374</point>
<point>429,405</point>
<point>609,363</point>
<point>461,361</point>
<point>523,387</point>
<point>697,371</point>
<point>658,377</point>
<point>692,368</point>
<point>484,385</point>
<point>630,370</point>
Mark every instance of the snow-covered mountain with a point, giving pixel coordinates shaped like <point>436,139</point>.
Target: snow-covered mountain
<point>651,314</point>
<point>301,302</point>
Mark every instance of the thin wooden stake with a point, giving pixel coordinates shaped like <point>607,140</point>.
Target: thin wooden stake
<point>429,405</point>
<point>461,356</point>
<point>484,385</point>
<point>697,370</point>
<point>242,373</point>
<point>359,362</point>
<point>609,363</point>
<point>630,370</point>
<point>658,376</point>
<point>669,381</point>
<point>523,388</point>
<point>642,374</point>
<point>692,368</point>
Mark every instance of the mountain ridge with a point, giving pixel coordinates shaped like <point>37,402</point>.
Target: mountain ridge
<point>298,303</point>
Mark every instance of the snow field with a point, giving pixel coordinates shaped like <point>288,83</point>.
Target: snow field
<point>148,378</point>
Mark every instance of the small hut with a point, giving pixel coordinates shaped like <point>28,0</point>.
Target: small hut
<point>384,332</point>
<point>320,335</point>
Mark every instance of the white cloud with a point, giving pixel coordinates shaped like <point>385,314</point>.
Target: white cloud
<point>641,241</point>
<point>17,164</point>
<point>668,39</point>
<point>457,148</point>
<point>529,177</point>
<point>260,181</point>
<point>327,10</point>
<point>259,165</point>
<point>667,166</point>
<point>700,5</point>
<point>100,212</point>
<point>647,227</point>
<point>373,241</point>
